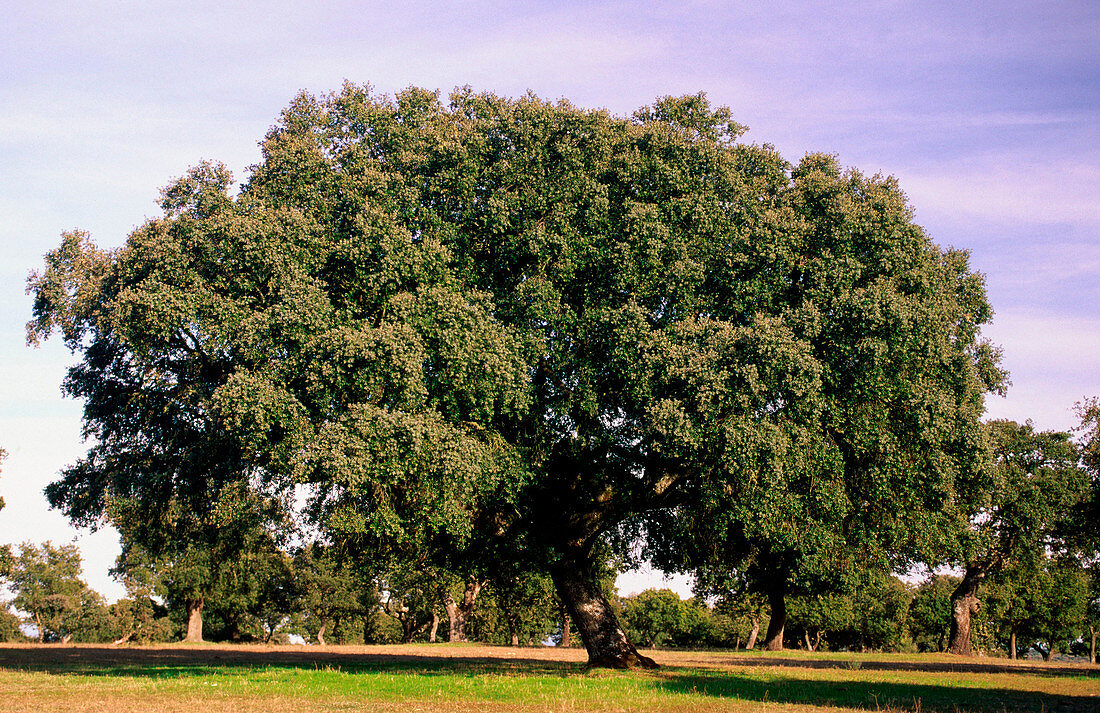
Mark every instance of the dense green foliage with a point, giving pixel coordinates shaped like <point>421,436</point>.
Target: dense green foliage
<point>488,335</point>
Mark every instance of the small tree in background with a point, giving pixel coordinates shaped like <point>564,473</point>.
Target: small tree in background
<point>518,608</point>
<point>47,585</point>
<point>1017,513</point>
<point>1092,611</point>
<point>1059,603</point>
<point>333,589</point>
<point>411,596</point>
<point>660,617</point>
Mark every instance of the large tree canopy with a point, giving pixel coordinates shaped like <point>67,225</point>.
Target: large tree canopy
<point>502,328</point>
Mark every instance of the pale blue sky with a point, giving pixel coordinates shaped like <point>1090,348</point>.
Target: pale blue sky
<point>988,113</point>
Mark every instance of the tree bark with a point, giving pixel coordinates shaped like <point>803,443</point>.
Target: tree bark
<point>1092,646</point>
<point>753,634</point>
<point>321,634</point>
<point>566,634</point>
<point>1012,643</point>
<point>194,620</point>
<point>603,637</point>
<point>773,640</point>
<point>435,628</point>
<point>457,613</point>
<point>964,603</point>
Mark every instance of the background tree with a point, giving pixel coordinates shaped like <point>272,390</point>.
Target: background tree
<point>1059,602</point>
<point>820,616</point>
<point>332,588</point>
<point>655,616</point>
<point>1092,611</point>
<point>1018,514</point>
<point>10,630</point>
<point>518,608</point>
<point>930,612</point>
<point>138,618</point>
<point>739,614</point>
<point>1010,603</point>
<point>47,585</point>
<point>411,597</point>
<point>881,613</point>
<point>275,592</point>
<point>503,328</point>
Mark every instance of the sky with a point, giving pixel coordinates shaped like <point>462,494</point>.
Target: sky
<point>990,119</point>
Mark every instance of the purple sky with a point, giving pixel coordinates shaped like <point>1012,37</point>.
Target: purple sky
<point>989,115</point>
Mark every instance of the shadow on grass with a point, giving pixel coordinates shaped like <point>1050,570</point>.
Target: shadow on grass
<point>959,666</point>
<point>872,695</point>
<point>175,661</point>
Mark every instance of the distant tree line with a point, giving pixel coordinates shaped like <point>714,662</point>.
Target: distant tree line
<point>1052,608</point>
<point>471,351</point>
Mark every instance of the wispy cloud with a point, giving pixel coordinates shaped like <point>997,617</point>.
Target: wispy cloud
<point>1053,193</point>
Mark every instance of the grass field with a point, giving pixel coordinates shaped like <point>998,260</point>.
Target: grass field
<point>444,677</point>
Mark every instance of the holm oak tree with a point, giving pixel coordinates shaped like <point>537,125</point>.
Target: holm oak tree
<point>501,328</point>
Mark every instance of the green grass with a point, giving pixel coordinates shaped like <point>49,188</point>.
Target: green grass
<point>496,678</point>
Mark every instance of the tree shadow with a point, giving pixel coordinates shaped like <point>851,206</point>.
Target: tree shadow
<point>959,666</point>
<point>872,695</point>
<point>175,661</point>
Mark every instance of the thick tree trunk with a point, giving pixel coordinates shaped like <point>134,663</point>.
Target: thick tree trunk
<point>194,620</point>
<point>435,628</point>
<point>753,634</point>
<point>458,612</point>
<point>773,640</point>
<point>603,637</point>
<point>1012,643</point>
<point>1049,653</point>
<point>321,634</point>
<point>964,603</point>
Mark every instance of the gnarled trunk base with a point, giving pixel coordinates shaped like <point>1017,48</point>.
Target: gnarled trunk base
<point>773,640</point>
<point>194,620</point>
<point>457,612</point>
<point>603,637</point>
<point>964,604</point>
